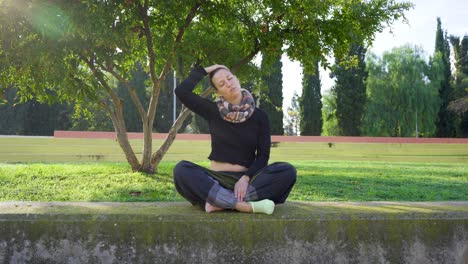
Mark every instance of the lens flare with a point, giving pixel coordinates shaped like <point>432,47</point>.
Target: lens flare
<point>50,20</point>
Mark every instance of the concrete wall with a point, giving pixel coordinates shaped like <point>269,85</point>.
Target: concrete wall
<point>180,233</point>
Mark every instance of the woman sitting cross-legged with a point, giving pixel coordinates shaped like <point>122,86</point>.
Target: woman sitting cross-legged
<point>239,177</point>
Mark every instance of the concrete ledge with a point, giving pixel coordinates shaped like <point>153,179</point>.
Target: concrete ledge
<point>372,232</point>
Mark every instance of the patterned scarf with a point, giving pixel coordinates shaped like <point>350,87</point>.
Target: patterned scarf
<point>236,113</point>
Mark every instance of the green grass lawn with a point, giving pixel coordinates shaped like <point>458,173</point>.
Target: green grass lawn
<point>55,169</point>
<point>317,181</point>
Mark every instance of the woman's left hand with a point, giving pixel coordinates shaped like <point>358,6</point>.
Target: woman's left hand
<point>240,189</point>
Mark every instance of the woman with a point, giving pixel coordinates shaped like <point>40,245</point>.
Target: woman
<point>239,177</point>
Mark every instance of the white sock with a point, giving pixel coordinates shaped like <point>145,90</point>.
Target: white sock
<point>264,206</point>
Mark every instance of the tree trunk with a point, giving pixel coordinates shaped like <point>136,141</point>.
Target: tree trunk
<point>122,138</point>
<point>147,149</point>
<point>159,154</point>
<point>127,149</point>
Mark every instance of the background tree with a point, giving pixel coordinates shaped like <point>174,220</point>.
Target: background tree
<point>402,102</point>
<point>292,119</point>
<point>65,50</point>
<point>43,119</point>
<point>271,99</point>
<point>89,116</point>
<point>11,115</point>
<point>446,118</point>
<point>350,91</point>
<point>460,103</point>
<point>310,104</point>
<point>32,117</point>
<point>330,124</point>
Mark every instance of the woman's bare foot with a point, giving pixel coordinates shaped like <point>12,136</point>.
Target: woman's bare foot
<point>211,208</point>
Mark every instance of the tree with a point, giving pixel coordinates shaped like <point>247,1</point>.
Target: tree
<point>292,127</point>
<point>402,93</point>
<point>11,114</point>
<point>65,50</point>
<point>32,117</point>
<point>271,100</point>
<point>42,119</point>
<point>330,124</point>
<point>310,104</point>
<point>460,103</point>
<point>446,118</point>
<point>89,116</point>
<point>350,91</point>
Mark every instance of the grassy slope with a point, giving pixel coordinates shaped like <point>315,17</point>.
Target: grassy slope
<point>85,150</point>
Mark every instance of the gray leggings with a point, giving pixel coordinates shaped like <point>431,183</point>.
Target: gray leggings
<point>200,185</point>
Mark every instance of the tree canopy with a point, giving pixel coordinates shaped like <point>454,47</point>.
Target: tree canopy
<point>402,93</point>
<point>67,50</point>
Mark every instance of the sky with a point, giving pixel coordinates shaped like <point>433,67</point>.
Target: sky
<point>420,30</point>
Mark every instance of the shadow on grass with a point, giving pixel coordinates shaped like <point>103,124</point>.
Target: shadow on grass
<point>332,187</point>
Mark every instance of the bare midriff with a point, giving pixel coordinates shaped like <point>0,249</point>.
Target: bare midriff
<point>225,166</point>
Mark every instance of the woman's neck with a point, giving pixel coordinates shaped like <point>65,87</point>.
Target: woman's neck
<point>235,101</point>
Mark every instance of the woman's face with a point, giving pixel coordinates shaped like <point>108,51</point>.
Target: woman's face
<point>227,85</point>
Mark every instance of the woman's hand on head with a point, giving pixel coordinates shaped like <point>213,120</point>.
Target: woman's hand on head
<point>214,67</point>
<point>240,189</point>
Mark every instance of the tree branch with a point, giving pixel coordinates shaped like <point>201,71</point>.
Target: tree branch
<point>247,58</point>
<point>178,39</point>
<point>115,99</point>
<point>168,64</point>
<point>98,74</point>
<point>132,91</point>
<point>171,135</point>
<point>143,10</point>
<point>116,115</point>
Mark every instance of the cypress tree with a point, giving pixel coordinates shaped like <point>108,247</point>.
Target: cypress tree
<point>271,100</point>
<point>311,104</point>
<point>446,119</point>
<point>460,84</point>
<point>350,92</point>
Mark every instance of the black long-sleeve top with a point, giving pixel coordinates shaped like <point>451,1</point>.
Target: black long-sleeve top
<point>247,143</point>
